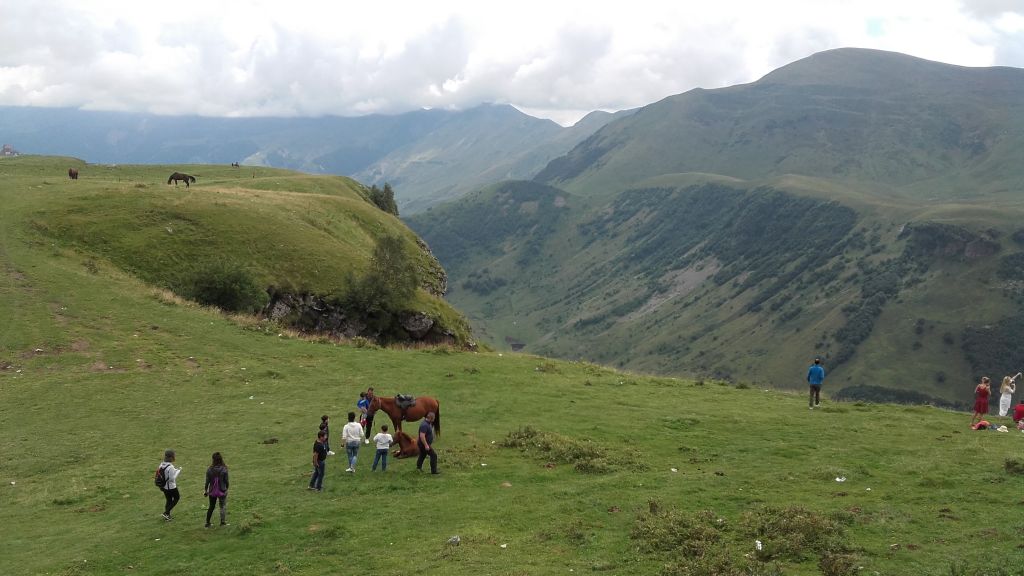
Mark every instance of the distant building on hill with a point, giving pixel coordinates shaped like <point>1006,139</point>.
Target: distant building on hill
<point>8,150</point>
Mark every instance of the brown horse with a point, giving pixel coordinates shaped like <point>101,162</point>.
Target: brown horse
<point>73,173</point>
<point>413,413</point>
<point>179,176</point>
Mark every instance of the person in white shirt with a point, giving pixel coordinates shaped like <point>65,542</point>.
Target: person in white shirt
<point>383,442</point>
<point>170,487</point>
<point>1006,390</point>
<point>352,435</point>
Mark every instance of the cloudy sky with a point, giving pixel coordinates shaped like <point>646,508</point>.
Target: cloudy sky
<point>555,59</point>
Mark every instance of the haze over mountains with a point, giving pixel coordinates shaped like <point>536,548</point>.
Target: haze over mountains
<point>427,156</point>
<point>857,204</point>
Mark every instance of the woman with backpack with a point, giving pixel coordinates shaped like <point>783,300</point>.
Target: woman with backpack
<point>167,481</point>
<point>217,488</point>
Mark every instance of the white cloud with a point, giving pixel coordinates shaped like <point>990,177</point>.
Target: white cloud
<point>559,59</point>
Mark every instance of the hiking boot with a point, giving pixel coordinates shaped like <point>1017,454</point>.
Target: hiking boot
<point>166,516</point>
<point>208,525</point>
<point>225,524</point>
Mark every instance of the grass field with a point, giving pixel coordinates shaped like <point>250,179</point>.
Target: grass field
<point>101,372</point>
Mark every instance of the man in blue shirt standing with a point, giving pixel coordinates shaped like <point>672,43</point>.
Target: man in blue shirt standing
<point>815,376</point>
<point>425,443</point>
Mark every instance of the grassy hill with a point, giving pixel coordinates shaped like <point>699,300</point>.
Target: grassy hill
<point>547,467</point>
<point>858,205</point>
<point>264,228</point>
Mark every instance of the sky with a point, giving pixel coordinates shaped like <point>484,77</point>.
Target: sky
<point>552,59</point>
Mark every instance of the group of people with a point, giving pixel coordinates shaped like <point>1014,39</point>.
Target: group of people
<point>216,487</point>
<point>353,434</point>
<point>983,391</point>
<point>356,433</point>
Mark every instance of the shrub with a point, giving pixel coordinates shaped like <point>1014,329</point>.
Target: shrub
<point>1014,466</point>
<point>672,530</point>
<point>227,286</point>
<point>791,533</point>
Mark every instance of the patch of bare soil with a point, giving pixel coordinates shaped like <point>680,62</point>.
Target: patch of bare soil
<point>681,283</point>
<point>79,345</point>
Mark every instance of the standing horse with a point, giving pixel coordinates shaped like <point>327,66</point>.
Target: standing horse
<point>73,173</point>
<point>413,413</point>
<point>179,176</point>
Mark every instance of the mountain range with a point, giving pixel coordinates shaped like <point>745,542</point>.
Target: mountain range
<point>427,155</point>
<point>857,205</point>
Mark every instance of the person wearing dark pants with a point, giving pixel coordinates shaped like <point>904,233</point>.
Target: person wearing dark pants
<point>316,482</point>
<point>216,488</point>
<point>425,443</point>
<point>815,376</point>
<point>170,487</point>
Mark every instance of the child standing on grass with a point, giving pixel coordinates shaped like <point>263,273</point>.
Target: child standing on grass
<point>171,494</point>
<point>363,405</point>
<point>1006,391</point>
<point>383,442</point>
<point>325,427</point>
<point>216,488</point>
<point>981,393</point>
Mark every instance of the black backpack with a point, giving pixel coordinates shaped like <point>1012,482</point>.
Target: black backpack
<point>160,477</point>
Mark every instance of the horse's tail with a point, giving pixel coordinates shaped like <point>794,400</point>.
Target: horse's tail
<point>437,420</point>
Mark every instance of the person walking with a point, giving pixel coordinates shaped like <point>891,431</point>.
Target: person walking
<point>352,435</point>
<point>170,488</point>
<point>383,441</point>
<point>216,488</point>
<point>1006,390</point>
<point>425,442</point>
<point>815,376</point>
<point>316,482</point>
<point>981,394</point>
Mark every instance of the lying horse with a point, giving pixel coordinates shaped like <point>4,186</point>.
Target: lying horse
<point>407,447</point>
<point>413,413</point>
<point>73,173</point>
<point>179,176</point>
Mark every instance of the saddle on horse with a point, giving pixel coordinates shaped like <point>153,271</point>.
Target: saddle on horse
<point>404,402</point>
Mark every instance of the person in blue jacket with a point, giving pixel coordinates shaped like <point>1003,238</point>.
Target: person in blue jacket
<point>815,376</point>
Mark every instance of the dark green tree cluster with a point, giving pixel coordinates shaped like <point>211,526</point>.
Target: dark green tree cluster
<point>384,199</point>
<point>228,286</point>
<point>391,281</point>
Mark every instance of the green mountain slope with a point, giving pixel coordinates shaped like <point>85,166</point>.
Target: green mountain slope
<point>851,115</point>
<point>547,467</point>
<point>828,209</point>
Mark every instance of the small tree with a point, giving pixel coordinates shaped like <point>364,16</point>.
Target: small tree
<point>391,281</point>
<point>384,199</point>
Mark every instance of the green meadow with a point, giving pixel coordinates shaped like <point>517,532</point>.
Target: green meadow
<point>548,467</point>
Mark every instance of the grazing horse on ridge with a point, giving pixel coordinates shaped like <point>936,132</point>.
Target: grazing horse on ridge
<point>73,173</point>
<point>179,176</point>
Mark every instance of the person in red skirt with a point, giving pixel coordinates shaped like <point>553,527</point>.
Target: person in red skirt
<point>981,394</point>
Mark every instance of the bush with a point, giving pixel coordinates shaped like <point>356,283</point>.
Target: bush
<point>674,531</point>
<point>227,286</point>
<point>792,533</point>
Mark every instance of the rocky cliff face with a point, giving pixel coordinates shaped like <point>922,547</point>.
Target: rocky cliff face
<point>320,314</point>
<point>314,314</point>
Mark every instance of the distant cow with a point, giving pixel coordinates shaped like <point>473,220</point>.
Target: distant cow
<point>179,176</point>
<point>72,173</point>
